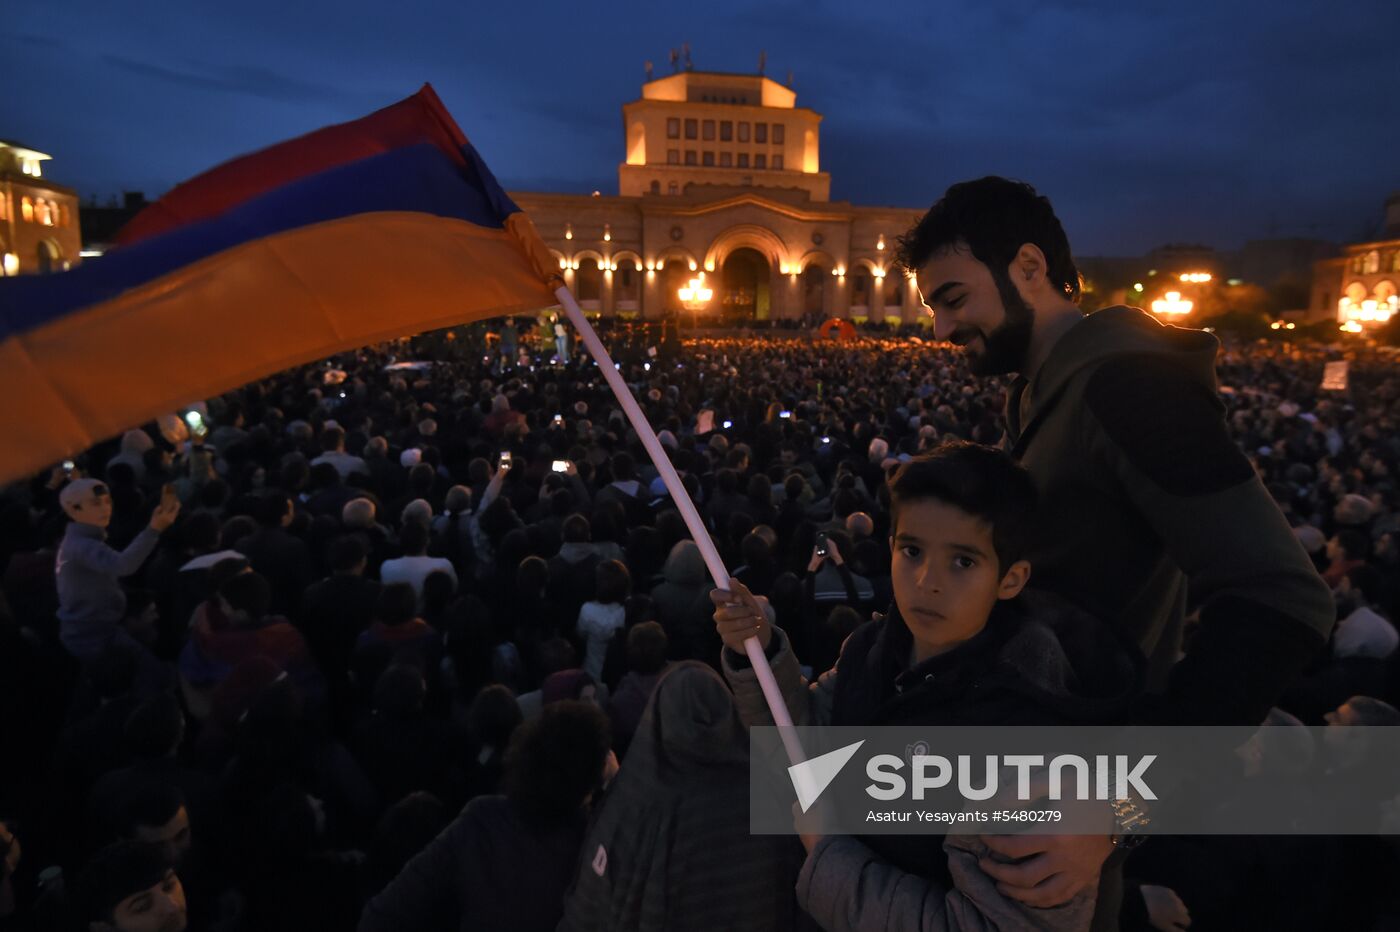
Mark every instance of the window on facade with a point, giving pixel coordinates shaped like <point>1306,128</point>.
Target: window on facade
<point>778,134</point>
<point>1394,259</point>
<point>743,132</point>
<point>760,132</point>
<point>707,158</point>
<point>777,163</point>
<point>4,207</point>
<point>690,158</point>
<point>1373,262</point>
<point>691,129</point>
<point>726,160</point>
<point>673,128</point>
<point>673,188</point>
<point>743,160</point>
<point>760,161</point>
<point>656,187</point>
<point>707,130</point>
<point>673,156</point>
<point>26,209</point>
<point>726,130</point>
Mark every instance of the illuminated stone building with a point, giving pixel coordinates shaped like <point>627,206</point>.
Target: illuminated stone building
<point>38,219</point>
<point>722,177</point>
<point>1360,286</point>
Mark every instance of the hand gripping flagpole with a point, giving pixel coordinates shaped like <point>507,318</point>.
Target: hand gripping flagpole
<point>713,563</point>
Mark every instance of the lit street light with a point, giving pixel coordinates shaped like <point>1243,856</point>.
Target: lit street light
<point>694,297</point>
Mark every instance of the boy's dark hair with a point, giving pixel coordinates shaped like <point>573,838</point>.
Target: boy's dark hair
<point>1355,544</point>
<point>120,870</point>
<point>346,553</point>
<point>612,581</point>
<point>994,217</point>
<point>556,760</point>
<point>397,603</point>
<point>249,593</point>
<point>646,647</point>
<point>979,480</point>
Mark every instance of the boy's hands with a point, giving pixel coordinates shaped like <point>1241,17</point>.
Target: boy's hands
<point>739,616</point>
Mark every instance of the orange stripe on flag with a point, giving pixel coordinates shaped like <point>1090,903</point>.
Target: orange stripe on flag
<point>250,312</point>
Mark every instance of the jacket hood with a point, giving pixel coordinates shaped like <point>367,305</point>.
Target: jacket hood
<point>689,724</point>
<point>1113,332</point>
<point>685,566</point>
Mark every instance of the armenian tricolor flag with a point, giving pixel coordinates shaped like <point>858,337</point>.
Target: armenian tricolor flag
<point>379,228</point>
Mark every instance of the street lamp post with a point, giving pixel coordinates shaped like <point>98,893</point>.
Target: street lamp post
<point>694,297</point>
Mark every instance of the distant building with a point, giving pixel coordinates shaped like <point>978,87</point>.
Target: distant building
<point>722,177</point>
<point>1361,286</point>
<point>100,224</point>
<point>38,219</point>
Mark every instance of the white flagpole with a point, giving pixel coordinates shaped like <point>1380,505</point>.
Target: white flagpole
<point>713,563</point>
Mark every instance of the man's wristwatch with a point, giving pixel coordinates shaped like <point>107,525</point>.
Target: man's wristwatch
<point>1131,821</point>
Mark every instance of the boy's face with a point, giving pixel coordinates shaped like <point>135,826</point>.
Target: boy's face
<point>945,575</point>
<point>158,909</point>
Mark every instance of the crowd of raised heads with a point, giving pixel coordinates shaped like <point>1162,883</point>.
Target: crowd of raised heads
<point>433,592</point>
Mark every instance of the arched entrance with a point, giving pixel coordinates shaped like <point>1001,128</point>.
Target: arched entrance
<point>745,287</point>
<point>50,259</point>
<point>814,279</point>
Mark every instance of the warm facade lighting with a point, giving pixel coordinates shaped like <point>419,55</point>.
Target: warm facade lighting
<point>11,264</point>
<point>880,243</point>
<point>568,231</point>
<point>1172,304</point>
<point>1195,278</point>
<point>607,233</point>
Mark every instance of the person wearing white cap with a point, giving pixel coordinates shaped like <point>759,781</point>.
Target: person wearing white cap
<point>91,603</point>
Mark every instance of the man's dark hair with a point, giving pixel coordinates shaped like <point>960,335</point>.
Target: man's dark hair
<point>201,532</point>
<point>414,539</point>
<point>273,508</point>
<point>612,582</point>
<point>332,438</point>
<point>994,217</point>
<point>1367,582</point>
<point>118,871</point>
<point>531,575</point>
<point>556,760</point>
<point>577,530</point>
<point>250,593</point>
<point>397,604</point>
<point>646,647</point>
<point>979,480</point>
<point>493,716</point>
<point>345,553</point>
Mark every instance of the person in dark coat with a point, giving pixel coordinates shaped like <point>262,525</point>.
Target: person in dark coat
<point>670,850</point>
<point>505,862</point>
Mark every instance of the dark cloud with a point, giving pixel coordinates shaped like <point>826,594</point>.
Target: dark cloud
<point>234,79</point>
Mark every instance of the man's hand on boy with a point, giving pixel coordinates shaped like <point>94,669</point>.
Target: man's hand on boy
<point>1050,870</point>
<point>740,616</point>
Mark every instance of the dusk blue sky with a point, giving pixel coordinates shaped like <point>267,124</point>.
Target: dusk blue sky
<point>1145,123</point>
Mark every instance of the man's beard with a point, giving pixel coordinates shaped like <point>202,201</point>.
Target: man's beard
<point>1005,349</point>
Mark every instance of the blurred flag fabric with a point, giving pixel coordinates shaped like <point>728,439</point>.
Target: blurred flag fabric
<point>379,228</point>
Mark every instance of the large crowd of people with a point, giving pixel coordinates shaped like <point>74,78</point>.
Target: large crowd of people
<point>391,640</point>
